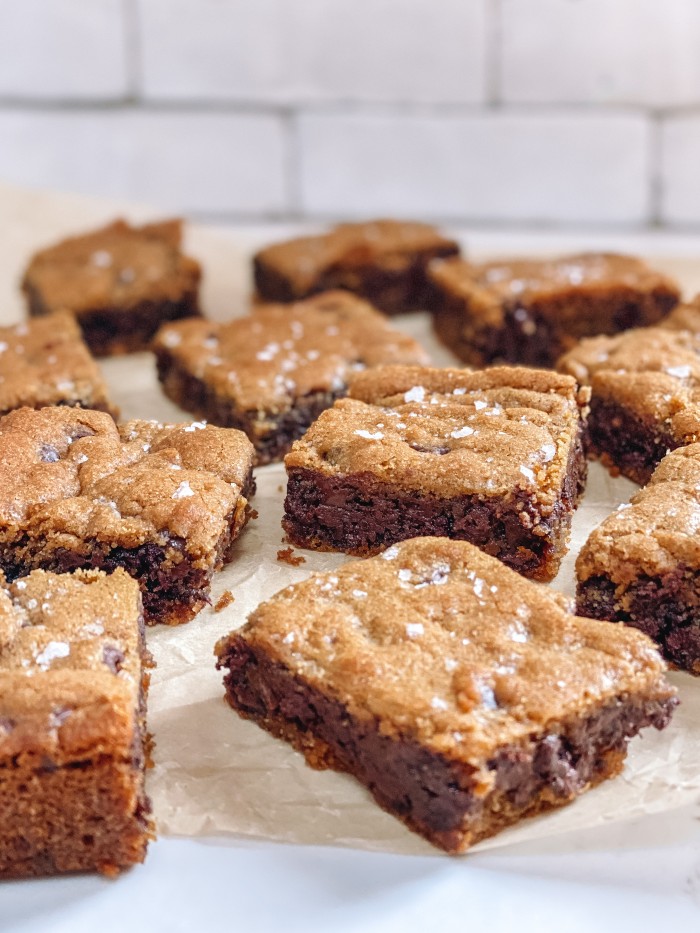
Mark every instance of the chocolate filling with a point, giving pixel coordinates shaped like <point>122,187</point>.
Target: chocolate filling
<point>360,515</point>
<point>538,333</point>
<point>433,794</point>
<point>393,290</point>
<point>666,608</point>
<point>173,587</point>
<point>196,396</point>
<point>625,441</point>
<point>109,331</point>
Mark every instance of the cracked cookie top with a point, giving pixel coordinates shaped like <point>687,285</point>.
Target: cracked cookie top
<point>653,370</point>
<point>280,353</point>
<point>450,432</point>
<point>70,664</point>
<point>655,531</point>
<point>45,362</point>
<point>69,475</point>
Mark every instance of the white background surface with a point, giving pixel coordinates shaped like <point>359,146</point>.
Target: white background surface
<point>641,875</point>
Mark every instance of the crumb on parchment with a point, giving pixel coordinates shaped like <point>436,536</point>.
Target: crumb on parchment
<point>224,600</point>
<point>286,555</point>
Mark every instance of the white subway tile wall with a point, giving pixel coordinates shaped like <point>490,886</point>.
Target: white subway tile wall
<point>559,113</point>
<point>500,166</point>
<point>642,52</point>
<point>63,49</point>
<point>194,162</point>
<point>286,51</point>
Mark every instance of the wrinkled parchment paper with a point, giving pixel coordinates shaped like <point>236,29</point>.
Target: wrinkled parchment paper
<point>215,774</point>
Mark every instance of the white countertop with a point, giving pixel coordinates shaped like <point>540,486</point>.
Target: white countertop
<point>639,875</point>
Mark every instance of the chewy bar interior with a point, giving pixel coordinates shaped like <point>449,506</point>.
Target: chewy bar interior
<point>121,282</point>
<point>384,261</point>
<point>165,502</point>
<point>531,311</point>
<point>73,679</point>
<point>645,388</point>
<point>641,566</point>
<point>492,457</point>
<point>273,372</point>
<point>463,696</point>
<point>45,362</point>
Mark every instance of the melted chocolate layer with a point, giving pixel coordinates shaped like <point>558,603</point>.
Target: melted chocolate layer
<point>666,608</point>
<point>359,515</point>
<point>434,795</point>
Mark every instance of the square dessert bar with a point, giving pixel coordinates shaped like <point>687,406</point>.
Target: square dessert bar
<point>165,502</point>
<point>45,362</point>
<point>532,311</point>
<point>464,697</point>
<point>492,457</point>
<point>272,373</point>
<point>120,282</point>
<point>641,566</point>
<point>384,261</point>
<point>645,388</point>
<point>73,681</point>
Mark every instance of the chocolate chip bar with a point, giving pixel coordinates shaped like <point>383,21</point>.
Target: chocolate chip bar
<point>464,697</point>
<point>492,457</point>
<point>73,680</point>
<point>532,311</point>
<point>165,502</point>
<point>645,388</point>
<point>120,282</point>
<point>641,566</point>
<point>384,261</point>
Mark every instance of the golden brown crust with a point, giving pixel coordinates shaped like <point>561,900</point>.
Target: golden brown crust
<point>305,259</point>
<point>489,285</point>
<point>655,532</point>
<point>69,476</point>
<point>281,353</point>
<point>45,362</point>
<point>652,371</point>
<point>73,681</point>
<point>498,431</point>
<point>70,665</point>
<point>438,642</point>
<point>117,266</point>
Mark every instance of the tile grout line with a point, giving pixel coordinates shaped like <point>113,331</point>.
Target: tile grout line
<point>343,108</point>
<point>656,184</point>
<point>494,53</point>
<point>292,165</point>
<point>133,49</point>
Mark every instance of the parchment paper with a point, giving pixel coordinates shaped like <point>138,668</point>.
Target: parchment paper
<point>215,774</point>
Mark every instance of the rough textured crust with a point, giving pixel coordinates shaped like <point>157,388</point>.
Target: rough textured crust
<point>45,362</point>
<point>73,679</point>
<point>532,311</point>
<point>462,695</point>
<point>641,566</point>
<point>384,261</point>
<point>443,452</point>
<point>120,282</point>
<point>645,387</point>
<point>163,501</point>
<point>273,372</point>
